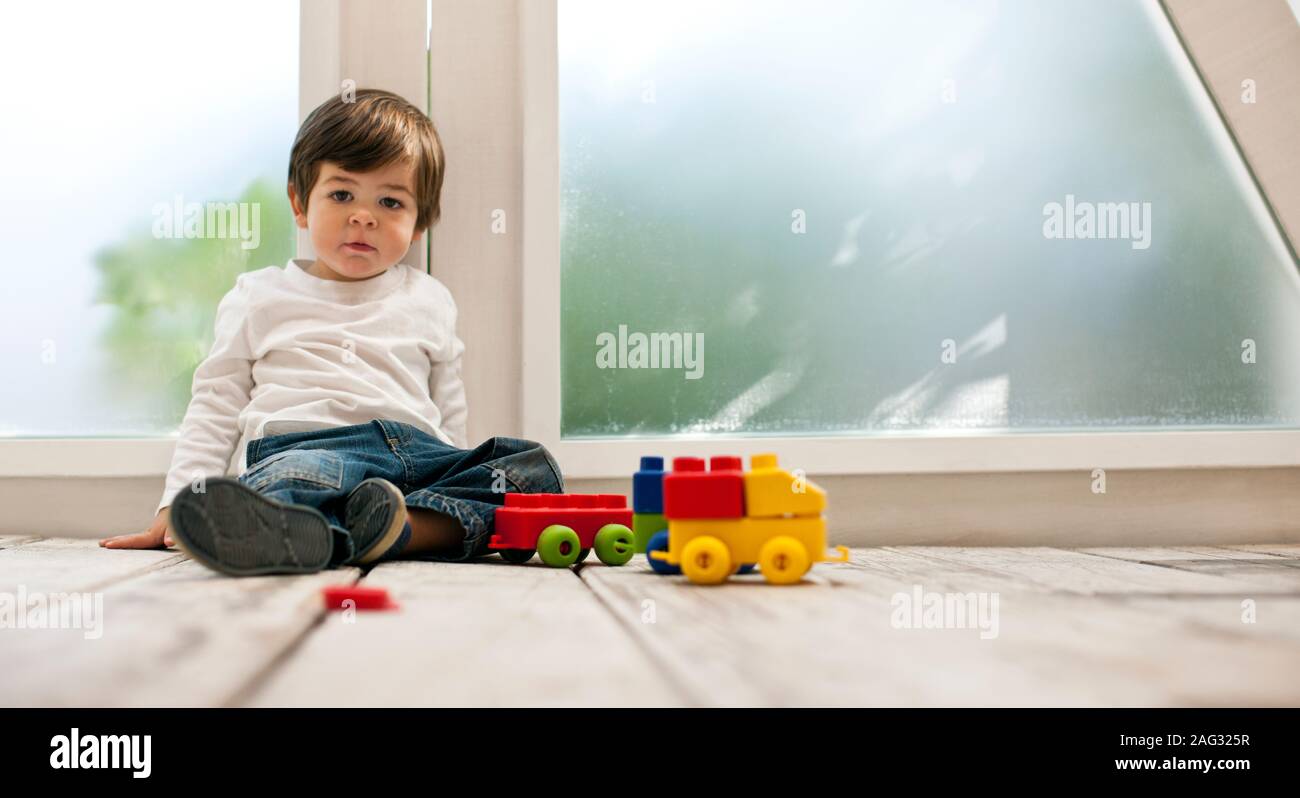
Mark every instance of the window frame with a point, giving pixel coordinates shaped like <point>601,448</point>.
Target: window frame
<point>883,453</point>
<point>333,37</point>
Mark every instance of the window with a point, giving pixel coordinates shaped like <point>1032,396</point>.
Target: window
<point>848,218</point>
<point>146,168</point>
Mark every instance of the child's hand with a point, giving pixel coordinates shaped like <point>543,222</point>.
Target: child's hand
<point>158,535</point>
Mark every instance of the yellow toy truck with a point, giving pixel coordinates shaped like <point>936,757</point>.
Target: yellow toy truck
<point>724,518</point>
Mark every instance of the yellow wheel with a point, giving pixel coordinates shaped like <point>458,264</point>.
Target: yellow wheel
<point>783,560</point>
<point>706,561</point>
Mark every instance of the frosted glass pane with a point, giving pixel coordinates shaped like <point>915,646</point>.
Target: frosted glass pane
<point>850,204</point>
<point>113,111</point>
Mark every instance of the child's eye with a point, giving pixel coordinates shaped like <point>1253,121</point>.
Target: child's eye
<point>334,195</point>
<point>396,203</point>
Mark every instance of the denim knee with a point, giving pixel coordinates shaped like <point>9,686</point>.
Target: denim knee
<point>505,465</point>
<point>527,464</point>
<point>317,468</point>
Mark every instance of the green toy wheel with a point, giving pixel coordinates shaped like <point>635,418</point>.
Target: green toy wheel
<point>516,556</point>
<point>615,544</point>
<point>558,546</point>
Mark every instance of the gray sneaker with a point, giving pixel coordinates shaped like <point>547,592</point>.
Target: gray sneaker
<point>232,528</point>
<point>376,517</point>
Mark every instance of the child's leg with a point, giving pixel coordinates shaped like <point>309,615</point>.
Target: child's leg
<point>457,491</point>
<point>433,531</point>
<point>324,469</point>
<point>316,478</point>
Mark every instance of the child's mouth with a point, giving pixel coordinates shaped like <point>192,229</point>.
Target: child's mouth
<point>358,247</point>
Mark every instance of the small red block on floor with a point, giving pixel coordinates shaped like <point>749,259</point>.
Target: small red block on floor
<point>363,598</point>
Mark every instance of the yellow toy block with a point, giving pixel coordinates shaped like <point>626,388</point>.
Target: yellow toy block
<point>772,492</point>
<point>710,550</point>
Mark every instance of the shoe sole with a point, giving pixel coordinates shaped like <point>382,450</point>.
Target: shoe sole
<point>393,527</point>
<point>232,528</point>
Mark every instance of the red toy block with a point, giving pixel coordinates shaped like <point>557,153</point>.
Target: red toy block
<point>364,598</point>
<point>692,492</point>
<point>525,515</point>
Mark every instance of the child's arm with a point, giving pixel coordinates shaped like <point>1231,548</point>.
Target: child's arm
<point>208,435</point>
<point>158,534</point>
<point>447,390</point>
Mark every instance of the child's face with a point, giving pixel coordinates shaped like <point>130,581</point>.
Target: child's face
<point>361,223</point>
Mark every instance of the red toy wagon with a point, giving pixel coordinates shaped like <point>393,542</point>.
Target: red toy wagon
<point>563,528</point>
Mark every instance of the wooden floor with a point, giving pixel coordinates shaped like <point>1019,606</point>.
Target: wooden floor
<point>1101,627</point>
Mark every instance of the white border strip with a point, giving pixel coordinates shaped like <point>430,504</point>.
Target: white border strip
<point>86,457</point>
<point>898,454</point>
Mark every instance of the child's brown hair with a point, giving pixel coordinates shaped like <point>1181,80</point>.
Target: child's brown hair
<point>373,130</point>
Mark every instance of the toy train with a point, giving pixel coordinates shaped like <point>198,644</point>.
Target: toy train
<point>707,524</point>
<point>563,528</point>
<point>711,524</point>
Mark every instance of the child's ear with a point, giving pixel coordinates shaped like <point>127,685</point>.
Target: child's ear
<point>418,235</point>
<point>299,215</point>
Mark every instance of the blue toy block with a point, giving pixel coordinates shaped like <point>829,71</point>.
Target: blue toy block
<point>648,486</point>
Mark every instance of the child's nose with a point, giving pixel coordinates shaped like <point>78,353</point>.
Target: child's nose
<point>363,217</point>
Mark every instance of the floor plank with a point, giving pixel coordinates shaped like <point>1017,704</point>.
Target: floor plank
<point>1265,577</point>
<point>1276,617</point>
<point>173,634</point>
<point>745,642</point>
<point>823,642</point>
<point>914,566</point>
<point>14,541</point>
<point>1173,626</point>
<point>1134,649</point>
<point>1178,554</point>
<point>1086,574</point>
<point>1279,549</point>
<point>484,633</point>
<point>1253,570</point>
<point>49,565</point>
<point>833,640</point>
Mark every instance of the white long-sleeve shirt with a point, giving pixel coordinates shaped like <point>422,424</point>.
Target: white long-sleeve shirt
<point>300,352</point>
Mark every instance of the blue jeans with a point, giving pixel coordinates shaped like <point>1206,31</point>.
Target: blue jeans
<point>320,468</point>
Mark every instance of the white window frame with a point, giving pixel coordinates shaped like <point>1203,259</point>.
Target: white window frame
<point>874,454</point>
<point>338,39</point>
